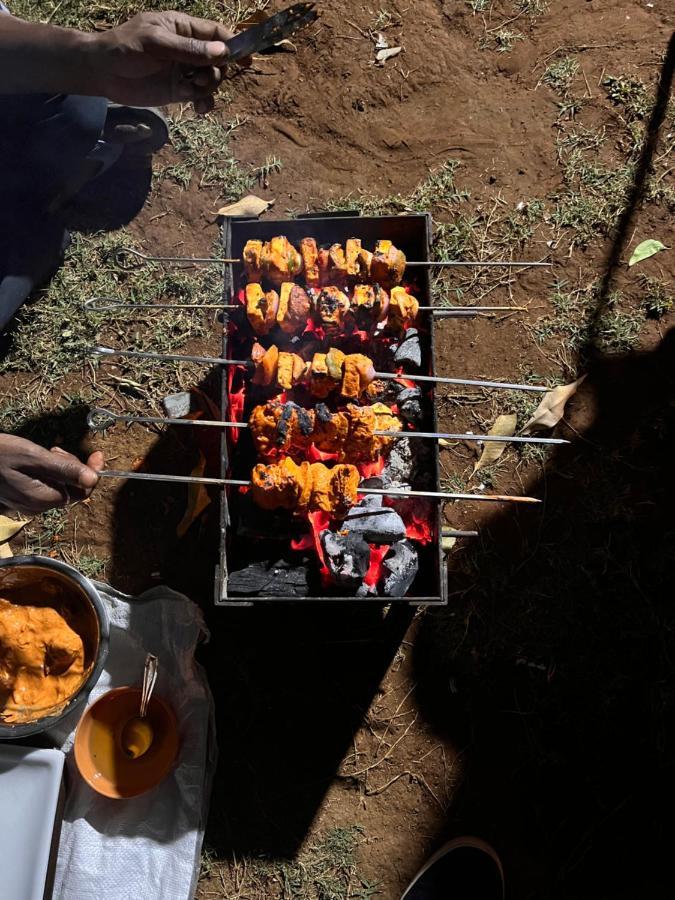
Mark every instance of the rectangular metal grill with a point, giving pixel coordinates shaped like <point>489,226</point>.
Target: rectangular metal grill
<point>412,234</point>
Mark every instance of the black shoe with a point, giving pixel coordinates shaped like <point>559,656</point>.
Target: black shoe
<point>464,869</point>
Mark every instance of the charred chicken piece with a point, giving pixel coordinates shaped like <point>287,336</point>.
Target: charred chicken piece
<point>387,266</point>
<point>370,304</point>
<point>321,384</point>
<point>295,308</point>
<point>330,429</point>
<point>403,309</point>
<point>352,250</point>
<point>362,444</point>
<point>280,261</point>
<point>252,257</point>
<point>310,262</point>
<point>261,308</point>
<point>281,427</point>
<point>333,310</point>
<point>305,488</point>
<point>357,374</point>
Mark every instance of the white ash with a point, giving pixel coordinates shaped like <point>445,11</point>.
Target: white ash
<point>402,563</point>
<point>409,350</point>
<point>347,556</point>
<point>377,523</point>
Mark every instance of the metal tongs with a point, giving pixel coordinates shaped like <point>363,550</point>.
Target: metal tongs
<point>268,33</point>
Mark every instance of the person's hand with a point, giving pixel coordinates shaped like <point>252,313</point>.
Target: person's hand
<point>33,479</point>
<point>144,62</point>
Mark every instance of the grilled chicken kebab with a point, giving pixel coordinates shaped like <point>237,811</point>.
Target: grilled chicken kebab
<point>329,307</point>
<point>278,261</point>
<point>350,373</point>
<point>286,428</point>
<point>308,487</point>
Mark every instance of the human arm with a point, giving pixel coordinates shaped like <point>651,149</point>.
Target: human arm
<point>139,63</point>
<point>33,479</point>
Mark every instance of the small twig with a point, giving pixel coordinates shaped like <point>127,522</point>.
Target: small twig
<point>359,29</point>
<point>382,759</point>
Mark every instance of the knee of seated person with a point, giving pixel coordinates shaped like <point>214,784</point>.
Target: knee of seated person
<point>80,121</point>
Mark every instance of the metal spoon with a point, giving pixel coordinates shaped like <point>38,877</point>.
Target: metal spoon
<point>137,734</point>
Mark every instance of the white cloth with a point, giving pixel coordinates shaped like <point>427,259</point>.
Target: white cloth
<point>150,846</point>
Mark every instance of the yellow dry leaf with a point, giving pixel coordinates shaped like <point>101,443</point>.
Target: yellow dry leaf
<point>492,450</point>
<point>250,205</point>
<point>5,551</point>
<point>10,527</point>
<point>198,499</point>
<point>552,408</point>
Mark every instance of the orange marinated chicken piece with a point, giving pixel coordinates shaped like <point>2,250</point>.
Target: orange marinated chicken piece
<point>388,264</point>
<point>263,425</point>
<point>294,308</point>
<point>330,429</point>
<point>279,485</point>
<point>324,267</point>
<point>261,308</point>
<point>334,363</point>
<point>333,310</point>
<point>265,365</point>
<point>352,250</point>
<point>403,309</point>
<point>252,257</point>
<point>344,487</point>
<point>286,367</point>
<point>337,266</point>
<point>310,262</point>
<point>358,372</point>
<point>364,264</point>
<point>321,384</point>
<point>280,260</point>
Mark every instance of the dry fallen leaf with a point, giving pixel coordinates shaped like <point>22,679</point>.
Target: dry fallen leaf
<point>10,527</point>
<point>386,53</point>
<point>198,499</point>
<point>5,551</point>
<point>492,450</point>
<point>447,543</point>
<point>250,205</point>
<point>552,408</point>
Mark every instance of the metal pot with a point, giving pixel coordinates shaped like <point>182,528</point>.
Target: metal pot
<point>31,579</point>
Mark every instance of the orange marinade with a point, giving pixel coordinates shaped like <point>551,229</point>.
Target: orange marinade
<point>41,661</point>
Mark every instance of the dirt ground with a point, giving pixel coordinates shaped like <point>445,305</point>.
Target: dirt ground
<point>536,710</point>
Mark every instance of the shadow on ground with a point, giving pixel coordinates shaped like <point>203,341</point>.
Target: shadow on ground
<point>552,668</point>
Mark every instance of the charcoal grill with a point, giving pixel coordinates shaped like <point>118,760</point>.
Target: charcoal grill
<point>412,234</point>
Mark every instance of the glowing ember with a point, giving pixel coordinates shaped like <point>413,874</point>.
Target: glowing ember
<point>377,555</point>
<point>237,400</point>
<point>371,469</point>
<point>418,517</point>
<point>314,455</point>
<point>318,522</point>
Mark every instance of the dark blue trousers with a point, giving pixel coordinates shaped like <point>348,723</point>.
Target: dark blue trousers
<point>44,140</point>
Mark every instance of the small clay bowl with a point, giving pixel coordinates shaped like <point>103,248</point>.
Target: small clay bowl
<point>98,751</point>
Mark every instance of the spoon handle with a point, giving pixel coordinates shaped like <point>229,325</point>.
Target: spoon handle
<point>149,679</point>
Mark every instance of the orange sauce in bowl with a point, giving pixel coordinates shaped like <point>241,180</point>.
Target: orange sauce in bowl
<point>42,662</point>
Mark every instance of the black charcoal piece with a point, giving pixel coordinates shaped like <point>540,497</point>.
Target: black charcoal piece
<point>409,351</point>
<point>378,524</point>
<point>411,406</point>
<point>399,467</point>
<point>279,579</point>
<point>303,418</point>
<point>347,556</point>
<point>402,564</point>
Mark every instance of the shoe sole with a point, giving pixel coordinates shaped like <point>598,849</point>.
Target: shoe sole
<point>456,844</point>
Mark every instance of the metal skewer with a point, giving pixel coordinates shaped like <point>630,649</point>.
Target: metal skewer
<point>99,419</point>
<point>208,260</point>
<point>387,492</point>
<point>110,304</point>
<point>383,376</point>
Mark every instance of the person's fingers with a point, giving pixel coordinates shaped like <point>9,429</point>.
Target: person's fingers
<point>96,461</point>
<point>163,44</point>
<point>204,29</point>
<point>189,91</point>
<point>58,467</point>
<point>204,106</point>
<point>207,78</point>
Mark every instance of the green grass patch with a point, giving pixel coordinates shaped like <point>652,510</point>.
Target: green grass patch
<point>561,74</point>
<point>572,320</point>
<point>326,870</point>
<point>657,296</point>
<point>99,16</point>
